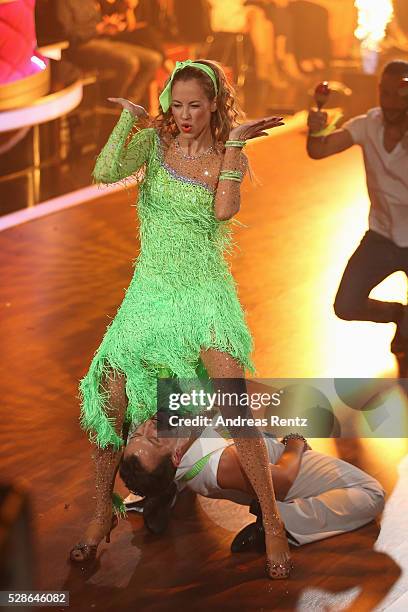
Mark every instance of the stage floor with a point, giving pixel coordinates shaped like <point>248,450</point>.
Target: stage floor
<point>63,277</point>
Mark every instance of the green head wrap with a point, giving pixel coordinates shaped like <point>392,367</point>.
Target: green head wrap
<point>165,96</point>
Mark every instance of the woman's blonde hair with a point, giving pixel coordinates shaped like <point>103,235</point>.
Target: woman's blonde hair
<point>228,110</point>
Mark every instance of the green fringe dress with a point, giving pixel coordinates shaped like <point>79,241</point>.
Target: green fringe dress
<point>182,297</point>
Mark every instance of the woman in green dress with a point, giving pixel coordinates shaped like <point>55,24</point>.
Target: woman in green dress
<point>181,315</point>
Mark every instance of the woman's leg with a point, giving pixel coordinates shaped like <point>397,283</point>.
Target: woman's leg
<point>228,378</point>
<point>106,462</point>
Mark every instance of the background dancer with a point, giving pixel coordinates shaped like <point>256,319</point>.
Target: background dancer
<point>382,134</point>
<point>319,496</point>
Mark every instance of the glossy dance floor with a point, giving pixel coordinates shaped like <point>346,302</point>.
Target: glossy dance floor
<point>64,276</point>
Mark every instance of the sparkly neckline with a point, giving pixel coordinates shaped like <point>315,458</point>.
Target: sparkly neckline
<point>160,158</point>
<point>186,156</point>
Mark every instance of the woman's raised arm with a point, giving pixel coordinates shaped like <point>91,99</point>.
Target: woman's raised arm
<point>227,197</point>
<point>119,157</point>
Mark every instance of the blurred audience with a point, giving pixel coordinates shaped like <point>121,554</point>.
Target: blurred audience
<point>395,41</point>
<point>94,43</point>
<point>313,47</point>
<point>138,24</point>
<point>287,73</point>
<point>191,20</point>
<point>395,44</point>
<point>275,49</point>
<point>401,13</point>
<point>241,37</point>
<point>262,34</point>
<point>228,19</point>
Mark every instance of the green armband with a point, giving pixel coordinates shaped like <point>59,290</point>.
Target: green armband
<point>231,175</point>
<point>329,128</point>
<point>235,143</point>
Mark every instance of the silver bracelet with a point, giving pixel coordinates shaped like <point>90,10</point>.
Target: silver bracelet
<point>293,436</point>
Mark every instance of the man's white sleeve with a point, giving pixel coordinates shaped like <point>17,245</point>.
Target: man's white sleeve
<point>357,128</point>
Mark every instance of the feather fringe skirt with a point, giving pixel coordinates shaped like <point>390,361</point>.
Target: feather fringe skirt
<point>159,331</point>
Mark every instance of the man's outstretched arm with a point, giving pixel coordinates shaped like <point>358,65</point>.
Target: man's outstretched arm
<point>324,146</point>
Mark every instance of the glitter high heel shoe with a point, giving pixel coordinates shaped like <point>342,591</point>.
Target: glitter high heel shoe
<point>279,567</point>
<point>85,553</point>
<point>279,571</point>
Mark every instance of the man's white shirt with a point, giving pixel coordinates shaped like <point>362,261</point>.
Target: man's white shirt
<point>318,472</point>
<point>386,174</point>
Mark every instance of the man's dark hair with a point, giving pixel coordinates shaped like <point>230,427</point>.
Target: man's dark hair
<point>140,481</point>
<point>396,68</point>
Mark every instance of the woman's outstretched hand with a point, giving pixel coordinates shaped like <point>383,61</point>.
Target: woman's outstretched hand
<point>255,128</point>
<point>135,109</point>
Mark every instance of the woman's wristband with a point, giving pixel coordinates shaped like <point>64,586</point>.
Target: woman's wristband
<point>231,175</point>
<point>235,143</point>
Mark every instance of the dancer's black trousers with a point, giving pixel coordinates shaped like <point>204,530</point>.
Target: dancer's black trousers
<point>374,259</point>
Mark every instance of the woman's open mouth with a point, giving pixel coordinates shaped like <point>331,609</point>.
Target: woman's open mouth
<point>186,128</point>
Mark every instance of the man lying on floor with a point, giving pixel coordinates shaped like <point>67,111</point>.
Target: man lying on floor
<point>319,496</point>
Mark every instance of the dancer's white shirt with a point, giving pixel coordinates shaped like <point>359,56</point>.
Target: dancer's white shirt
<point>329,496</point>
<point>386,174</point>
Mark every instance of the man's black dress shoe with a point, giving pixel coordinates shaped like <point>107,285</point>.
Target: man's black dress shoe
<point>250,538</point>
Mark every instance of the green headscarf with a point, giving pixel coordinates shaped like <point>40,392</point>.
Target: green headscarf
<point>165,96</point>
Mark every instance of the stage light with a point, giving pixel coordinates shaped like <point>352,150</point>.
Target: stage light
<point>373,18</point>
